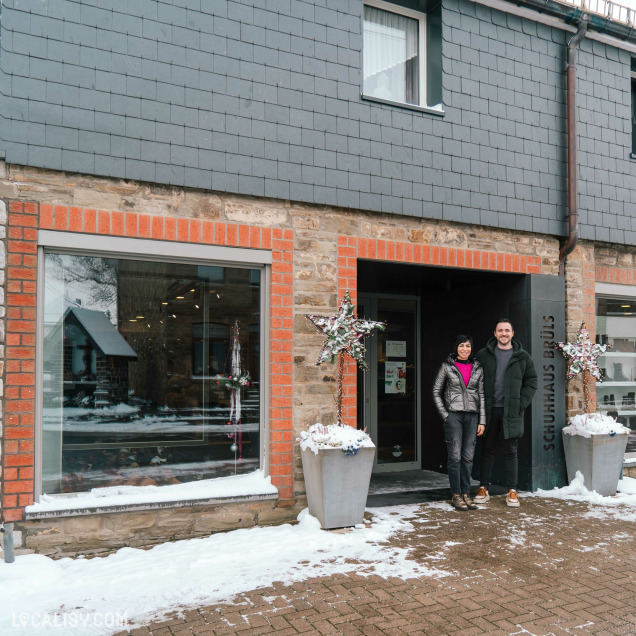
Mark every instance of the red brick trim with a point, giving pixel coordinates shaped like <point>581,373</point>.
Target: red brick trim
<point>617,275</point>
<point>24,221</point>
<point>351,248</point>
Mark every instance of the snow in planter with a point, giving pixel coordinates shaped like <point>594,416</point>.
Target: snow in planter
<point>588,424</point>
<point>347,438</point>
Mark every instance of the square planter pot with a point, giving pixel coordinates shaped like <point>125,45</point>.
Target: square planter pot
<point>599,458</point>
<point>337,485</point>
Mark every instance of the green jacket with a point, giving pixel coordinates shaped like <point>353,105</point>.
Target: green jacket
<point>520,386</point>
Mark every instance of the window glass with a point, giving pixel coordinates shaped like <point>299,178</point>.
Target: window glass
<point>391,56</point>
<point>136,380</point>
<point>616,327</point>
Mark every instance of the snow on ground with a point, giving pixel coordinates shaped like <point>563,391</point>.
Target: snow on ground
<point>100,596</point>
<point>87,596</point>
<point>251,484</point>
<point>620,506</point>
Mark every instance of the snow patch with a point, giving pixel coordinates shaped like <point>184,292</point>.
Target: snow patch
<point>148,584</point>
<point>627,486</point>
<point>251,484</point>
<point>620,506</point>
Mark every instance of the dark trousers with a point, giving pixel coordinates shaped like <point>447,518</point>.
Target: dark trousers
<point>460,431</point>
<point>494,442</point>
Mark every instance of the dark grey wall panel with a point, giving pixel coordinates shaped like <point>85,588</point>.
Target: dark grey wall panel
<point>263,98</point>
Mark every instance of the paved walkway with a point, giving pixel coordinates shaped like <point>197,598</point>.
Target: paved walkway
<point>550,567</point>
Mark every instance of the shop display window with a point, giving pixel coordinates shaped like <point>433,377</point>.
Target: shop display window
<point>616,327</point>
<point>132,355</point>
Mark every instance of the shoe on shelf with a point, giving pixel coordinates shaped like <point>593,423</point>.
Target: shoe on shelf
<point>512,499</point>
<point>481,496</point>
<point>458,502</point>
<point>469,502</point>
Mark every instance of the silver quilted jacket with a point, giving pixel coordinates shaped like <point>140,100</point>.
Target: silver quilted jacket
<point>452,395</point>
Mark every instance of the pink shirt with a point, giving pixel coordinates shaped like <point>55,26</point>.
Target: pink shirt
<point>465,370</point>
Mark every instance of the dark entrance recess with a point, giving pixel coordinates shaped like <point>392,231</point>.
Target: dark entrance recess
<point>456,301</point>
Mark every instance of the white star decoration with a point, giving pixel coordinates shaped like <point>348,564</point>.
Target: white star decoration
<point>582,355</point>
<point>344,332</point>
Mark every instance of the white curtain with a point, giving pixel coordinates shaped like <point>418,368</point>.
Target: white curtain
<point>390,56</point>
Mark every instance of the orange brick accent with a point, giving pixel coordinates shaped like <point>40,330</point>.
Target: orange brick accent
<point>618,275</point>
<point>20,342</point>
<point>350,249</point>
<point>24,219</point>
<point>281,353</point>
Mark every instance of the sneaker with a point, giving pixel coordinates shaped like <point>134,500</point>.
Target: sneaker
<point>482,495</point>
<point>458,502</point>
<point>512,499</point>
<point>469,502</point>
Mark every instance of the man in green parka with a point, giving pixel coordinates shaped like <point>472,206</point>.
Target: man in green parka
<point>510,382</point>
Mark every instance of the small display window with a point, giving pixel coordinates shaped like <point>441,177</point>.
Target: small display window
<point>616,327</point>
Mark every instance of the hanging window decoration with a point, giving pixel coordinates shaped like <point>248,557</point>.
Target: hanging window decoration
<point>236,380</point>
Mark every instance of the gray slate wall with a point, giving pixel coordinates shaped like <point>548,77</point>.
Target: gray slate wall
<point>262,97</point>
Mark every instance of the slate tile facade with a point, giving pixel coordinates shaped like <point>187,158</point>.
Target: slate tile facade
<point>263,98</point>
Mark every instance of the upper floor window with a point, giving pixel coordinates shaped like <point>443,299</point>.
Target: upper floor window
<point>402,54</point>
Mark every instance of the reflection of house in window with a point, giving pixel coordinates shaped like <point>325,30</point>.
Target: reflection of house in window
<point>95,359</point>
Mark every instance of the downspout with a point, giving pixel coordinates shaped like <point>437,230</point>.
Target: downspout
<point>573,213</point>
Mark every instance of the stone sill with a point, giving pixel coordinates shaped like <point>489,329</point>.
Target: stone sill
<point>388,102</point>
<point>629,459</point>
<point>157,505</point>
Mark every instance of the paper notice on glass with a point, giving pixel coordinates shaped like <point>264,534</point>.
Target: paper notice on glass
<point>396,348</point>
<point>395,376</point>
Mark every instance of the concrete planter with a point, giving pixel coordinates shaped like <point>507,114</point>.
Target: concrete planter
<point>599,458</point>
<point>337,485</point>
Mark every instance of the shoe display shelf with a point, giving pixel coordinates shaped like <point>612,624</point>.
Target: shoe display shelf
<point>616,396</point>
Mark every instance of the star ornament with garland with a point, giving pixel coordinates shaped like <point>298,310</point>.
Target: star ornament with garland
<point>344,332</point>
<point>582,355</point>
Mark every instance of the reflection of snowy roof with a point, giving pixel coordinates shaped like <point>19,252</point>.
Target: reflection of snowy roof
<point>102,331</point>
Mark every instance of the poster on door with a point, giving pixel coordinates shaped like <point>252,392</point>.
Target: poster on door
<point>395,376</point>
<point>396,348</point>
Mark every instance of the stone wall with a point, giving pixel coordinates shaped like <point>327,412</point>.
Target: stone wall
<point>97,533</point>
<point>580,307</point>
<point>324,245</point>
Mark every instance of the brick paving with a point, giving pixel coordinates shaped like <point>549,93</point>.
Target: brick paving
<point>548,568</point>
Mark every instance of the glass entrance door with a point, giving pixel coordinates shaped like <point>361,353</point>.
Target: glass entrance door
<point>389,401</point>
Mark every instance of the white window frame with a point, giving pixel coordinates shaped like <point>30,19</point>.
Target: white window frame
<point>161,251</point>
<point>632,81</point>
<point>615,291</point>
<point>421,18</point>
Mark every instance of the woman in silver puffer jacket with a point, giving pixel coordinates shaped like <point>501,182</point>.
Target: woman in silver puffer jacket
<point>458,392</point>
